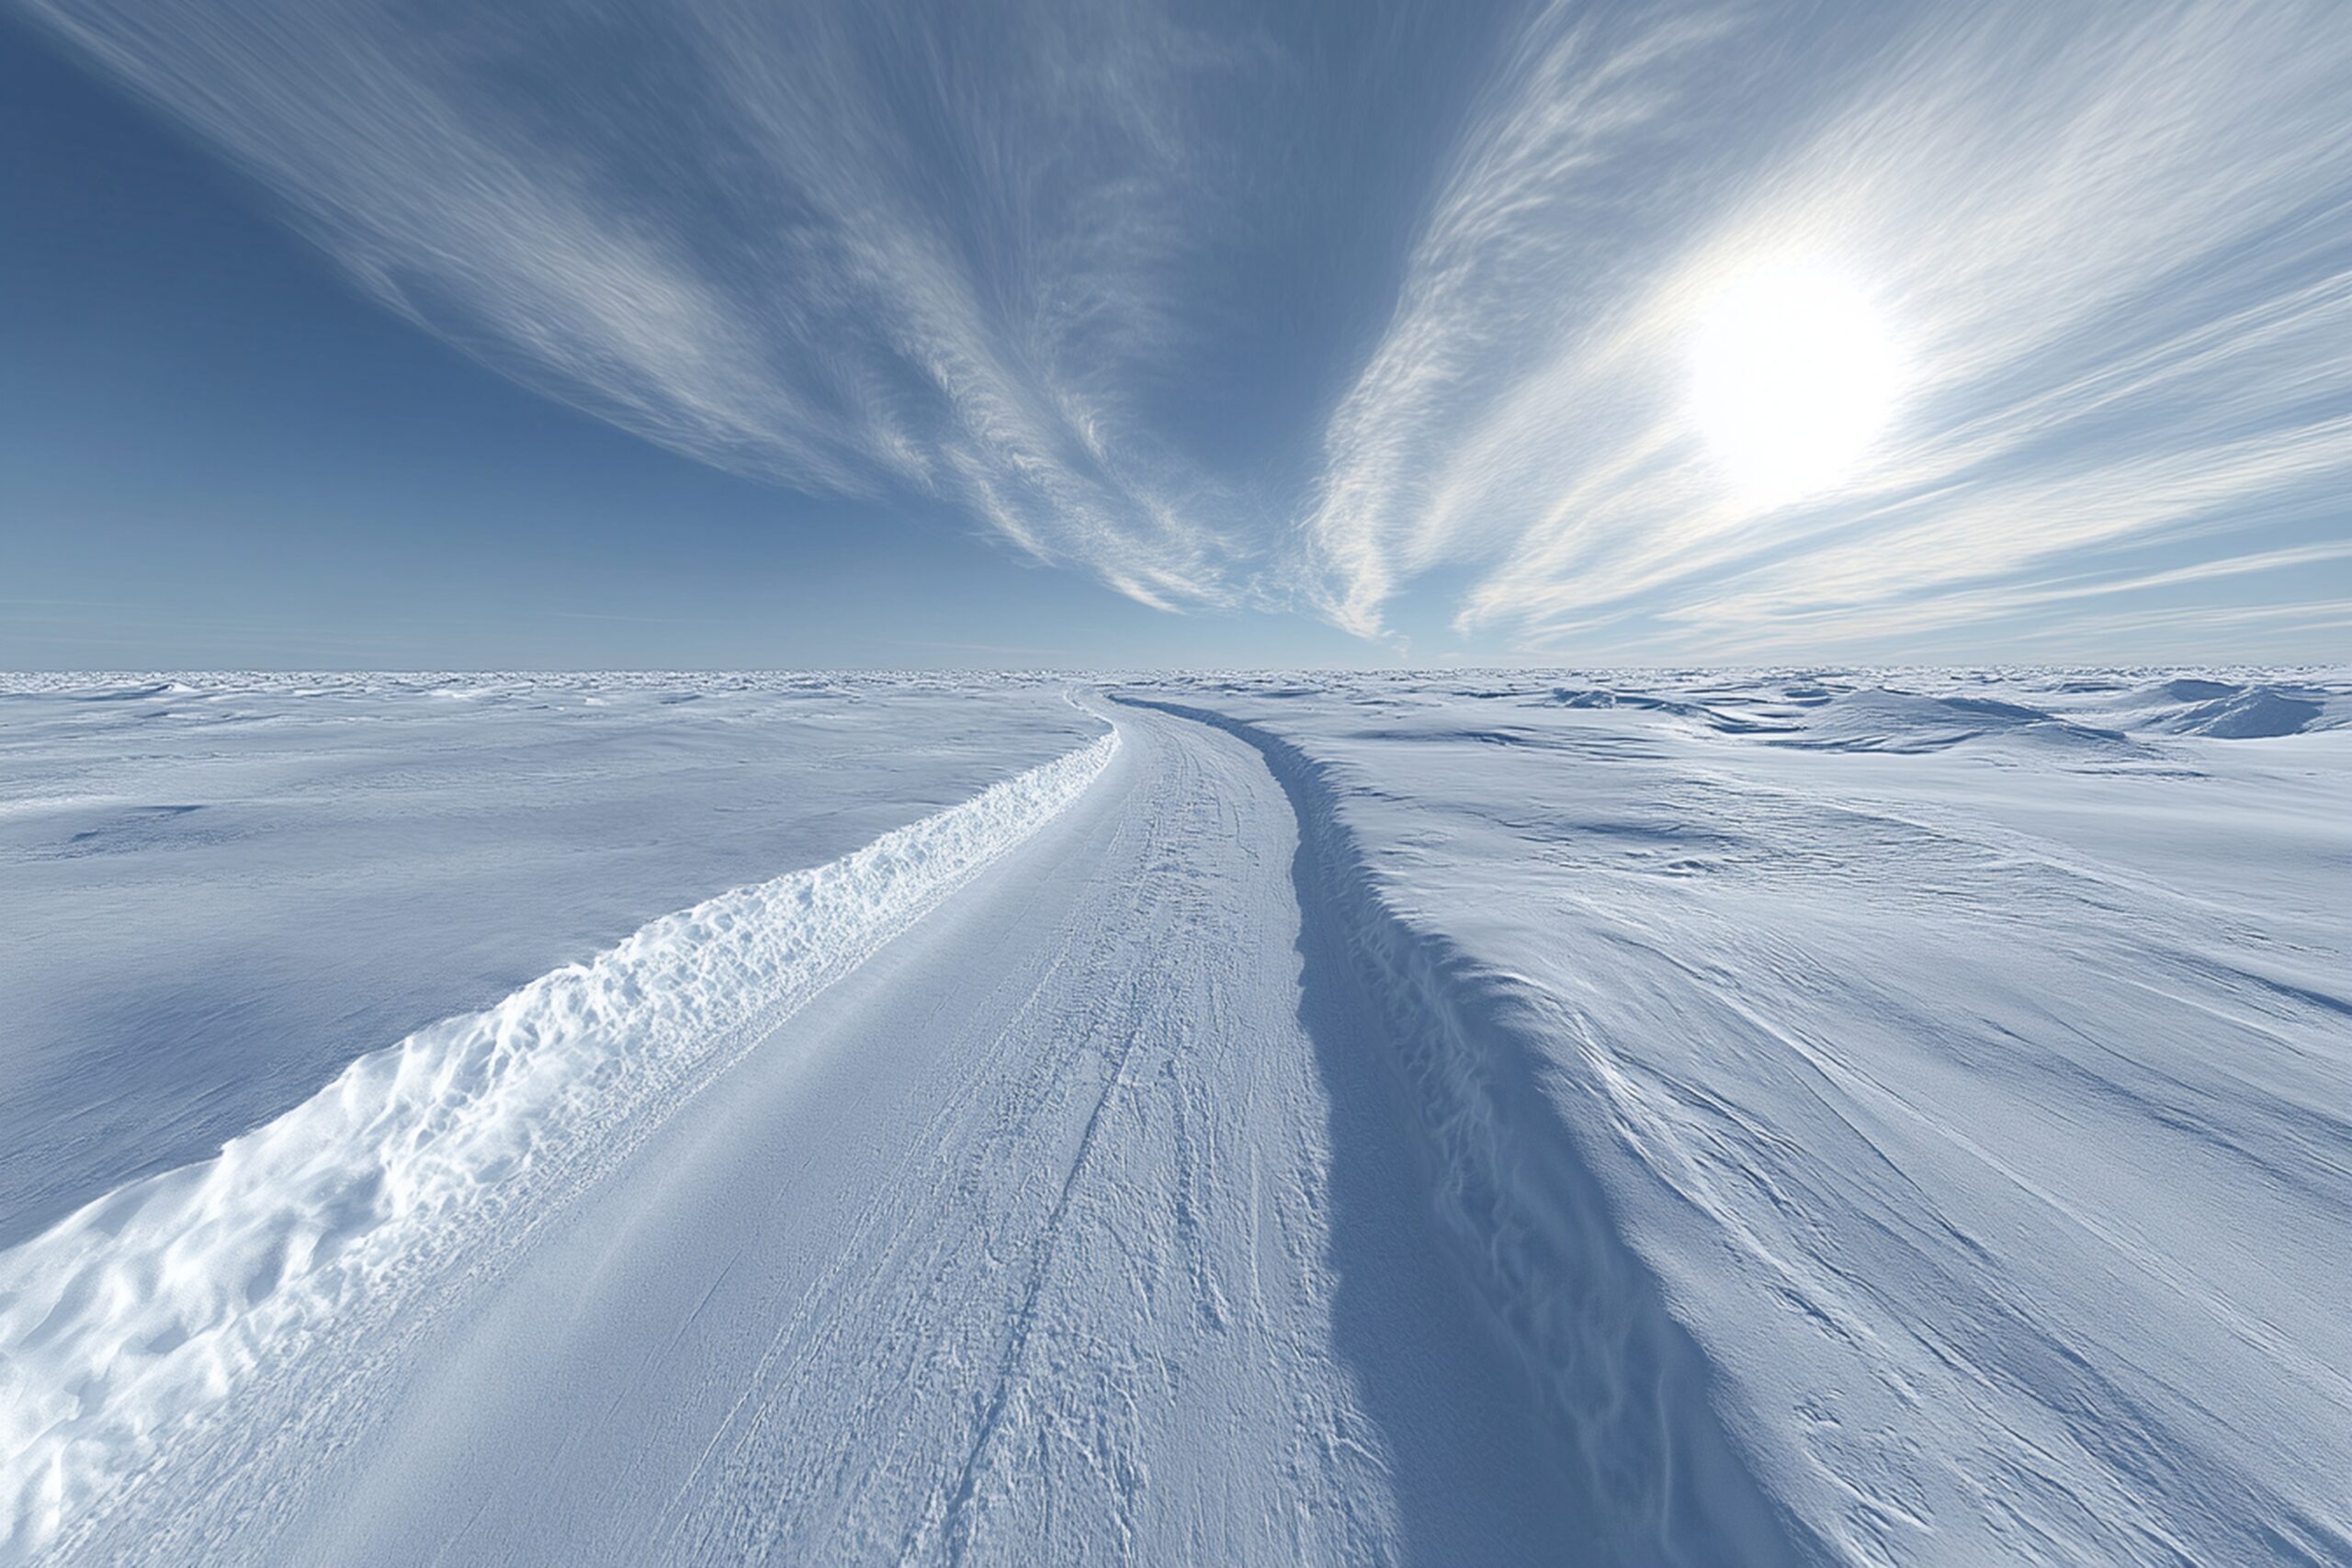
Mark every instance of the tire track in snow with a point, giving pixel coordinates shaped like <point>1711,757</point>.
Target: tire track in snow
<point>1065,1128</point>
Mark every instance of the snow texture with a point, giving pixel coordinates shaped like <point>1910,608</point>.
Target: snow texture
<point>152,1305</point>
<point>1965,1056</point>
<point>1671,1117</point>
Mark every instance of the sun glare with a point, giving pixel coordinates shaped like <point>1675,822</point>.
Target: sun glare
<point>1795,377</point>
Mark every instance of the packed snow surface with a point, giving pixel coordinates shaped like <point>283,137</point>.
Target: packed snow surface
<point>1536,1117</point>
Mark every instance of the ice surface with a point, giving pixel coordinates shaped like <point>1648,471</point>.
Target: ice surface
<point>1674,1117</point>
<point>215,890</point>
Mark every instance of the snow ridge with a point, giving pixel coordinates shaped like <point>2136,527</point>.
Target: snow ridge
<point>1624,1387</point>
<point>126,1325</point>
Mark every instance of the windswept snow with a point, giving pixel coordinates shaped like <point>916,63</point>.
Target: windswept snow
<point>1808,1116</point>
<point>1968,1057</point>
<point>215,890</point>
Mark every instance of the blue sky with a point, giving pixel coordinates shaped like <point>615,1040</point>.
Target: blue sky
<point>377,332</point>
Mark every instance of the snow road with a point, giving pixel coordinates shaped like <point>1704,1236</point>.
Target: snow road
<point>1802,1119</point>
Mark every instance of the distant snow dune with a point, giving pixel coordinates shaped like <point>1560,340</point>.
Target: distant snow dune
<point>1666,1117</point>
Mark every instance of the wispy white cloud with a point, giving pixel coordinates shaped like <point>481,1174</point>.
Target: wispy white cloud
<point>856,250</point>
<point>2117,262</point>
<point>973,252</point>
<point>1947,608</point>
<point>2285,632</point>
<point>1526,237</point>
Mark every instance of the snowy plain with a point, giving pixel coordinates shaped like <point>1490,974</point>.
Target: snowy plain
<point>221,888</point>
<point>1671,1117</point>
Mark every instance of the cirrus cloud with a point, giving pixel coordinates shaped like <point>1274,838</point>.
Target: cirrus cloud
<point>2119,265</point>
<point>988,255</point>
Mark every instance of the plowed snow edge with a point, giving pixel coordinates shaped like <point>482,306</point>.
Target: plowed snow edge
<point>124,1327</point>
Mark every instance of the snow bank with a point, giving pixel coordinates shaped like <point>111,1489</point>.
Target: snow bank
<point>126,1324</point>
<point>1887,718</point>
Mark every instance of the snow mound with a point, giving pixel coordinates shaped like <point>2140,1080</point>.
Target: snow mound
<point>2191,689</point>
<point>2245,713</point>
<point>123,1326</point>
<point>1713,718</point>
<point>2232,710</point>
<point>1886,718</point>
<point>2261,714</point>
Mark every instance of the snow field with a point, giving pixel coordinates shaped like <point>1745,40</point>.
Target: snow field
<point>217,890</point>
<point>1961,1053</point>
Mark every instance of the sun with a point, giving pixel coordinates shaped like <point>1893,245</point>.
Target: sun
<point>1795,375</point>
